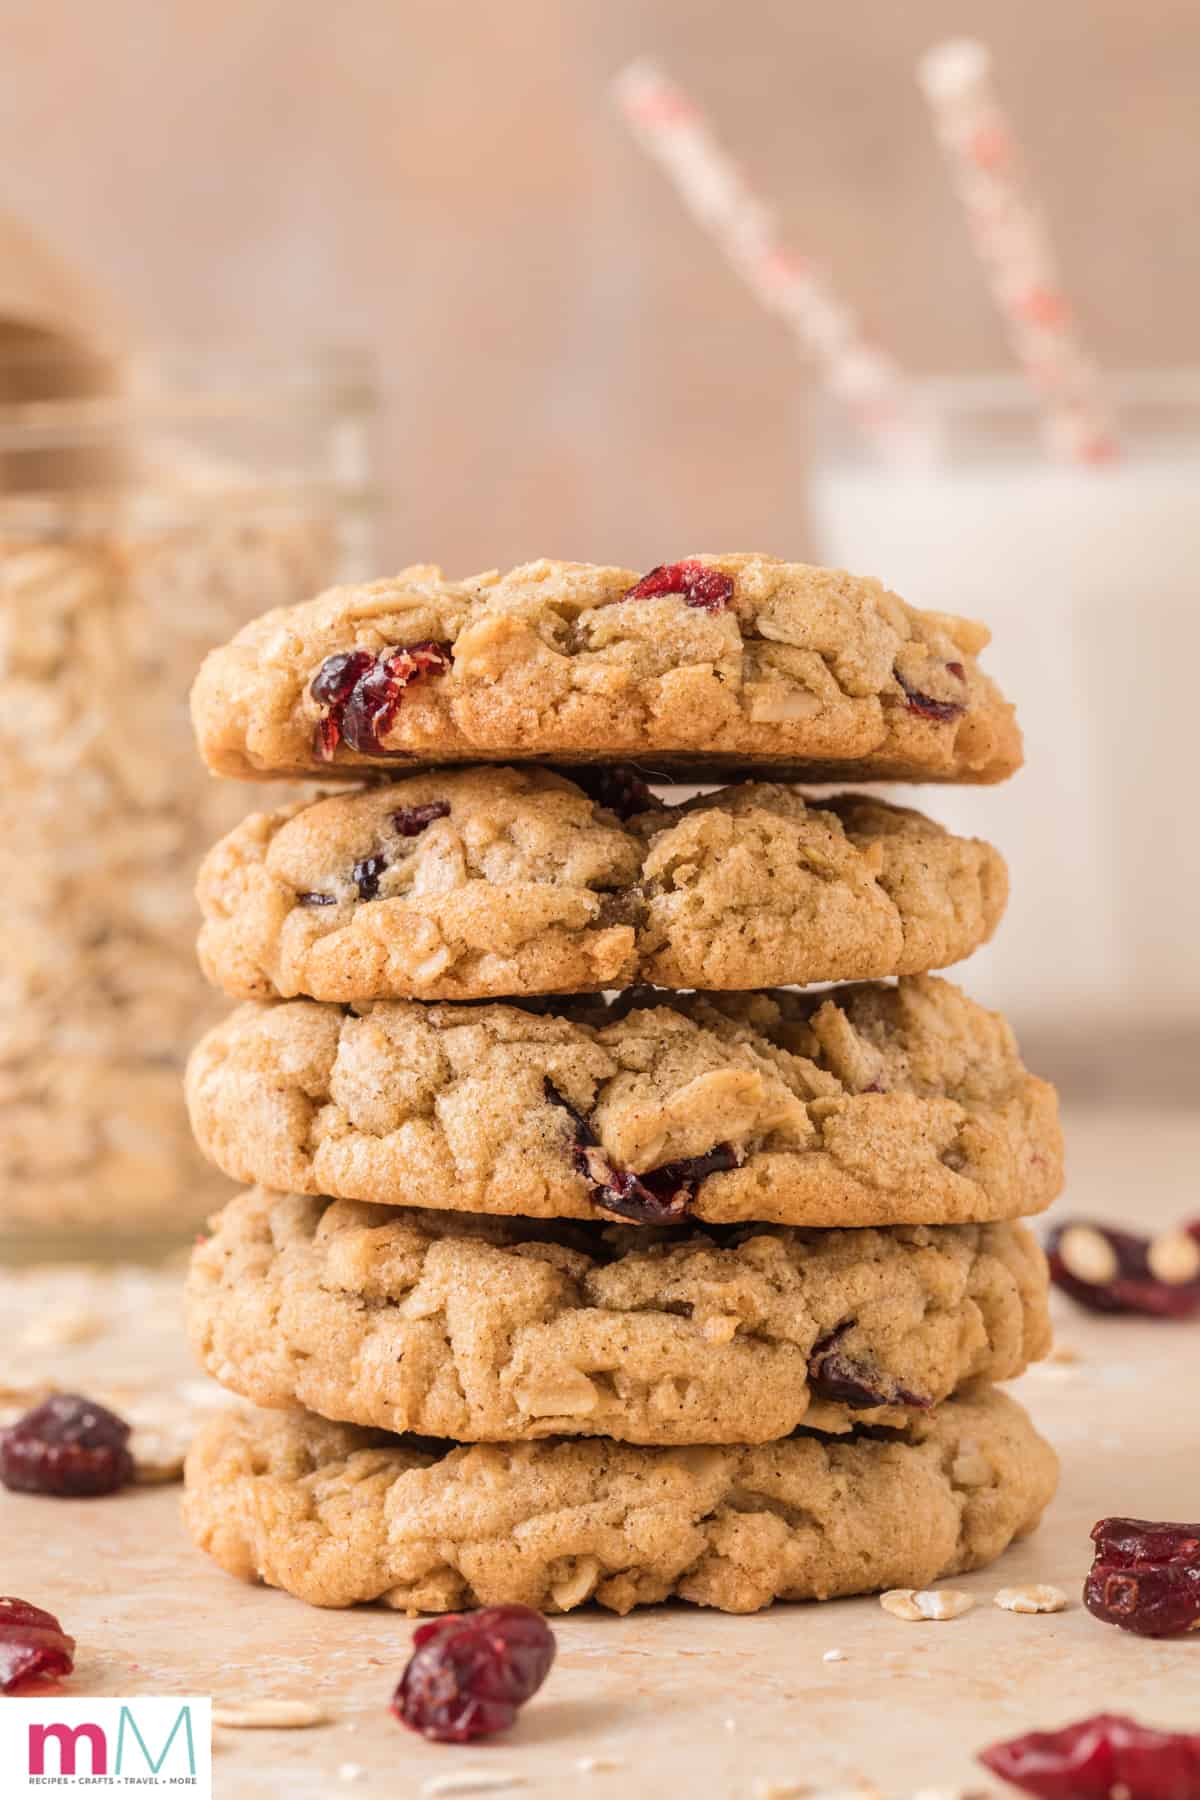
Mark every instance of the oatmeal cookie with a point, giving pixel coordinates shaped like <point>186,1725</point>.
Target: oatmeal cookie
<point>336,1515</point>
<point>488,882</point>
<point>869,1105</point>
<point>496,1329</point>
<point>706,667</point>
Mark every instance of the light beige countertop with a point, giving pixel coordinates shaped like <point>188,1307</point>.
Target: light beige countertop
<point>670,1700</point>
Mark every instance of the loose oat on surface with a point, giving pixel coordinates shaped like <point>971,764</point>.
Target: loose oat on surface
<point>472,1781</point>
<point>268,1715</point>
<point>1036,1597</point>
<point>934,1603</point>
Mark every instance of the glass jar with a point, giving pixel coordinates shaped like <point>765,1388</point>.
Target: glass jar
<point>146,512</point>
<point>1086,576</point>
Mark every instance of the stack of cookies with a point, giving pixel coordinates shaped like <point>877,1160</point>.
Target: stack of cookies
<point>594,1251</point>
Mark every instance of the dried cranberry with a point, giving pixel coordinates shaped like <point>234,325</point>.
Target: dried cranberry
<point>367,874</point>
<point>363,693</point>
<point>327,737</point>
<point>658,1196</point>
<point>926,705</point>
<point>1100,1757</point>
<point>469,1672</point>
<point>411,821</point>
<point>833,1375</point>
<point>620,789</point>
<point>66,1446</point>
<point>700,586</point>
<point>663,1195</point>
<point>956,669</point>
<point>310,898</point>
<point>33,1645</point>
<point>1133,1289</point>
<point>1145,1577</point>
<point>335,679</point>
<point>370,707</point>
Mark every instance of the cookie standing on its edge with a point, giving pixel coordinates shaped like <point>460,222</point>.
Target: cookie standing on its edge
<point>707,668</point>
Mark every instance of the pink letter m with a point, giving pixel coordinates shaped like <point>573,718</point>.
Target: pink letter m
<point>68,1737</point>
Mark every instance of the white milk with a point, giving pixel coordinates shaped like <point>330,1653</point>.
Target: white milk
<point>1089,581</point>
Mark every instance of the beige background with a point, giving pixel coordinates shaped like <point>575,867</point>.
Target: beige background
<point>567,368</point>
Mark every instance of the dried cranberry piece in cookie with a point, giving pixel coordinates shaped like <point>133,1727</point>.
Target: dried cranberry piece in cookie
<point>1145,1577</point>
<point>710,589</point>
<point>363,693</point>
<point>367,874</point>
<point>33,1645</point>
<point>833,1375</point>
<point>620,789</point>
<point>332,686</point>
<point>370,710</point>
<point>68,1446</point>
<point>411,821</point>
<point>1111,1271</point>
<point>334,681</point>
<point>926,705</point>
<point>664,1195</point>
<point>1098,1758</point>
<point>659,1196</point>
<point>470,1672</point>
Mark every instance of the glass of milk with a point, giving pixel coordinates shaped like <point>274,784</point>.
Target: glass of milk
<point>1090,581</point>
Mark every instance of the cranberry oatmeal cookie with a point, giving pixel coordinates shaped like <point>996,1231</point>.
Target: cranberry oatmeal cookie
<point>871,1105</point>
<point>499,1329</point>
<point>486,882</point>
<point>707,667</point>
<point>337,1515</point>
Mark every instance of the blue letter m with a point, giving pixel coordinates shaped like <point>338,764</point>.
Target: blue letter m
<point>184,1718</point>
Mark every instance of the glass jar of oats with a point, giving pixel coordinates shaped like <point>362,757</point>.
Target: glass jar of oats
<point>148,508</point>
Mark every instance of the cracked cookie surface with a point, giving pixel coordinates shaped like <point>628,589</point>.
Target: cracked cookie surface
<point>338,1515</point>
<point>869,1105</point>
<point>467,884</point>
<point>498,1329</point>
<point>708,668</point>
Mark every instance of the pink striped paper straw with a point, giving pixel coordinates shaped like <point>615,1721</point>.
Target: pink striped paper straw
<point>1012,242</point>
<point>673,130</point>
